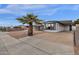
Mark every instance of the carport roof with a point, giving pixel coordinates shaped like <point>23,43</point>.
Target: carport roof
<point>65,22</point>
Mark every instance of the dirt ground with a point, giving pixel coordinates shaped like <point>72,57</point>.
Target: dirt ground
<point>58,37</point>
<point>21,34</point>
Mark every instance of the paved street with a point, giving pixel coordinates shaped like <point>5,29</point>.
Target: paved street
<point>33,46</point>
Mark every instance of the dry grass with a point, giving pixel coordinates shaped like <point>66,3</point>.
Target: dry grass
<point>18,34</point>
<point>21,34</point>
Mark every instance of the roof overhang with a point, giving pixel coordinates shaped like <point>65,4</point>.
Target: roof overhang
<point>67,22</point>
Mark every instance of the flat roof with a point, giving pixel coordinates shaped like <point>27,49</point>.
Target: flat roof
<point>63,22</point>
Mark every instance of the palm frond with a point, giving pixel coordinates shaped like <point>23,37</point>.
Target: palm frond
<point>29,18</point>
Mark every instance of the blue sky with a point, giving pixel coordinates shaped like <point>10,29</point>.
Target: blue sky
<point>9,12</point>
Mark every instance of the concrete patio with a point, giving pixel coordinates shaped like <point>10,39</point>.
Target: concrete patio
<point>34,45</point>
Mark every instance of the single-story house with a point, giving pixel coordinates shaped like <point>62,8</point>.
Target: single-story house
<point>58,26</point>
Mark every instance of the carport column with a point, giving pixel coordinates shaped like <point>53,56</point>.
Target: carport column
<point>76,40</point>
<point>57,27</point>
<point>44,26</point>
<point>76,36</point>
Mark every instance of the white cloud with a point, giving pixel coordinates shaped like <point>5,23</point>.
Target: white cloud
<point>73,7</point>
<point>18,8</point>
<point>48,12</point>
<point>4,11</point>
<point>25,6</point>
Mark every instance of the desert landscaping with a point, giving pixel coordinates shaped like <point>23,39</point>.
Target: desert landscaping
<point>17,42</point>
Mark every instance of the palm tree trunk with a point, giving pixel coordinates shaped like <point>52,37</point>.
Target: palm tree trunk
<point>30,30</point>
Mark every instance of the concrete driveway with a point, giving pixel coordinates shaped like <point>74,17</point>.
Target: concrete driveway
<point>42,43</point>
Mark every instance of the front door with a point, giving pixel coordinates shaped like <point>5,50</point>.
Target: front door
<point>70,27</point>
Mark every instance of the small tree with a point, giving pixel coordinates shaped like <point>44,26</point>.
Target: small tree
<point>77,21</point>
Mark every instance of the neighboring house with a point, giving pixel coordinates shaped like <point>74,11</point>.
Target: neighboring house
<point>58,26</point>
<point>17,28</point>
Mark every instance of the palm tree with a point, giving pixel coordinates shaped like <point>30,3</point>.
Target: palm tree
<point>29,19</point>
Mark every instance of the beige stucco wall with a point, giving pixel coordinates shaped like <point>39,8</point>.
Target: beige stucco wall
<point>60,27</point>
<point>73,28</point>
<point>66,28</point>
